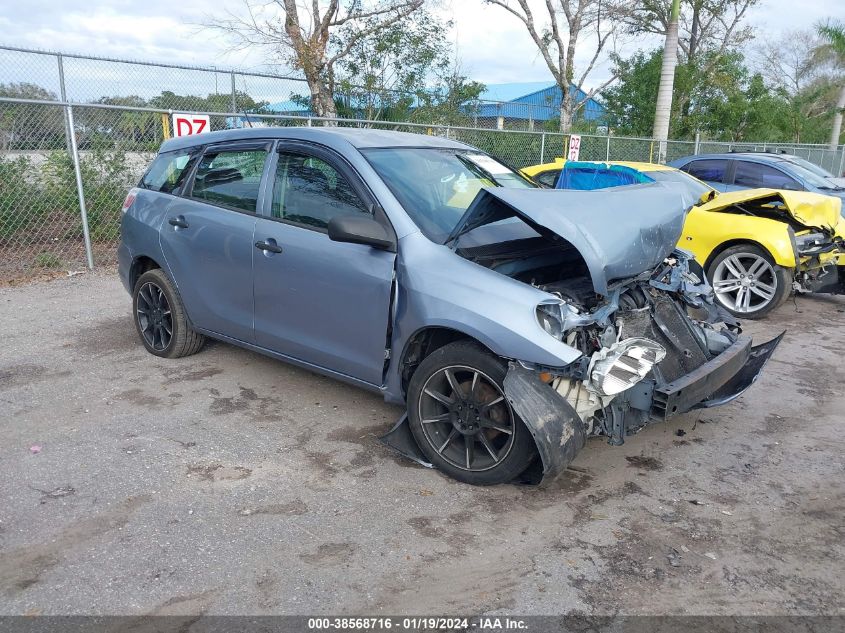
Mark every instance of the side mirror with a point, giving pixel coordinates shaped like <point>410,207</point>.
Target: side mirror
<point>361,229</point>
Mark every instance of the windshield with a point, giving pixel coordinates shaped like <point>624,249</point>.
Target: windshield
<point>436,186</point>
<point>693,184</point>
<point>810,178</point>
<point>818,171</point>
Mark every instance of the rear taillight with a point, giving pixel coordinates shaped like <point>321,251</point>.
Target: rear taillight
<point>130,198</point>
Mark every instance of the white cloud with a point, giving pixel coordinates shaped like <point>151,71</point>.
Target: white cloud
<point>494,46</point>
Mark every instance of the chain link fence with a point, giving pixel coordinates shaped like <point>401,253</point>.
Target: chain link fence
<point>53,219</point>
<point>61,193</point>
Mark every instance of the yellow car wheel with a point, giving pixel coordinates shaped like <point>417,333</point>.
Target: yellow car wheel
<point>747,281</point>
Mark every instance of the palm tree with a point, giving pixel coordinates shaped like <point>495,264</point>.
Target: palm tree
<point>663,108</point>
<point>833,33</point>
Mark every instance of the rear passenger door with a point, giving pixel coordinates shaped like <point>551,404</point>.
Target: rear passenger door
<point>207,238</point>
<point>321,302</point>
<point>713,171</point>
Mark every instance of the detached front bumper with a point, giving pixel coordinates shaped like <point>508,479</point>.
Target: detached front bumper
<point>716,382</point>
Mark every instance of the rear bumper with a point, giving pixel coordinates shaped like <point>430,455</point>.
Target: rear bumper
<point>124,264</point>
<point>716,382</point>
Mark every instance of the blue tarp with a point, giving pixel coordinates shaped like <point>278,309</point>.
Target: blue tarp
<point>586,176</point>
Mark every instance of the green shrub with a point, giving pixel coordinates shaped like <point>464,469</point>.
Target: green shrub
<point>48,260</point>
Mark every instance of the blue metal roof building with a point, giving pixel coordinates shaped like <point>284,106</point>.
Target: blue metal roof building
<point>533,102</point>
<point>499,103</point>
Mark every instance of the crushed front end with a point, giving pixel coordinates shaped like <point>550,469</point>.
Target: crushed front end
<point>821,260</point>
<point>656,347</point>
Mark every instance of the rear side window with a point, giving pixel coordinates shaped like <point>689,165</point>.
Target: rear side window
<point>309,191</point>
<point>230,178</point>
<point>167,171</point>
<point>756,175</point>
<point>711,170</point>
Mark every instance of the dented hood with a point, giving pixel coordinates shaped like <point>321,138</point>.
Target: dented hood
<point>813,210</point>
<point>620,232</point>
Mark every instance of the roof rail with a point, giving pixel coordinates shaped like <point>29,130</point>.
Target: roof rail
<point>768,150</point>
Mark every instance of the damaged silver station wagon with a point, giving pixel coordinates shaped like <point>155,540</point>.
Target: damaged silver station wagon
<point>512,321</point>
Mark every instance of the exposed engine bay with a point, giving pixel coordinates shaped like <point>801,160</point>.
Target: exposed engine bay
<point>653,329</point>
<point>656,347</point>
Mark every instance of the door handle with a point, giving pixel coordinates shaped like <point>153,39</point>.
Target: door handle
<point>178,221</point>
<point>269,246</point>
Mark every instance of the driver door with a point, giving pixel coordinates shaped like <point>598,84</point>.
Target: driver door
<point>321,302</point>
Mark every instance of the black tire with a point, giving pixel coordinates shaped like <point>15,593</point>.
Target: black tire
<point>747,281</point>
<point>160,317</point>
<point>485,421</point>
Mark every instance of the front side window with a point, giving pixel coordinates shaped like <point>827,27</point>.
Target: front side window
<point>436,186</point>
<point>167,171</point>
<point>230,178</point>
<point>753,175</point>
<point>310,192</point>
<point>708,170</point>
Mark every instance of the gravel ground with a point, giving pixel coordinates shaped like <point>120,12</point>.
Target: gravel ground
<point>229,483</point>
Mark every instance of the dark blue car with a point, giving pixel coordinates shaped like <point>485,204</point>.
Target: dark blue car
<point>752,170</point>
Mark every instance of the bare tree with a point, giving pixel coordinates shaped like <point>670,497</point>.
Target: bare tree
<point>707,30</point>
<point>568,21</point>
<point>798,65</point>
<point>790,61</point>
<point>306,35</point>
<point>706,26</point>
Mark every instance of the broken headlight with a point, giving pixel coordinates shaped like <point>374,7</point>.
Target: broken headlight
<point>549,318</point>
<point>624,364</point>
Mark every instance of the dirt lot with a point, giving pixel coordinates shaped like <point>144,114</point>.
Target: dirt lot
<point>231,483</point>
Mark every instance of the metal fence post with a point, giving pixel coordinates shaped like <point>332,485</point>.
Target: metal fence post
<point>542,148</point>
<point>234,92</point>
<point>607,150</point>
<point>697,147</point>
<point>63,95</point>
<point>841,161</point>
<point>83,211</point>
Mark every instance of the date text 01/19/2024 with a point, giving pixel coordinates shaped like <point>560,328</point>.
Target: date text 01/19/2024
<point>419,623</point>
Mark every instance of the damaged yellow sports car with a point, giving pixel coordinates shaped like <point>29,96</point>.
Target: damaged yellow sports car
<point>756,245</point>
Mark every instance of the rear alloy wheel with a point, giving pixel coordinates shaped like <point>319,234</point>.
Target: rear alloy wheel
<point>160,317</point>
<point>462,420</point>
<point>747,282</point>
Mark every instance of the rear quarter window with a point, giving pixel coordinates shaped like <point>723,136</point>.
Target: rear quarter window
<point>167,171</point>
<point>230,178</point>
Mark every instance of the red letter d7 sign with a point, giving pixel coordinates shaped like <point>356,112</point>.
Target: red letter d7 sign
<point>188,124</point>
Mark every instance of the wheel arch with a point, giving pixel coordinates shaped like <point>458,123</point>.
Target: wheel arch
<point>423,343</point>
<point>776,256</point>
<point>140,265</point>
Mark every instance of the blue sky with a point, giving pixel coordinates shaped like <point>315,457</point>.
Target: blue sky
<point>492,45</point>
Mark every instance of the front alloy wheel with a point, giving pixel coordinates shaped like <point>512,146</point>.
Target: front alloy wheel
<point>466,419</point>
<point>747,283</point>
<point>461,419</point>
